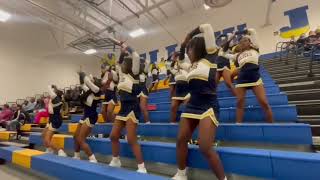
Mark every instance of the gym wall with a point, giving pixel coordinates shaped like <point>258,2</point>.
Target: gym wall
<point>249,12</point>
<point>31,59</point>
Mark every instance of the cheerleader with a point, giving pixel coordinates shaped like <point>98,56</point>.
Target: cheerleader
<point>109,85</point>
<point>202,108</point>
<point>55,120</point>
<point>143,95</point>
<point>171,69</point>
<point>249,75</point>
<point>130,111</point>
<point>224,69</point>
<point>155,77</point>
<point>232,57</point>
<point>90,98</point>
<point>182,94</point>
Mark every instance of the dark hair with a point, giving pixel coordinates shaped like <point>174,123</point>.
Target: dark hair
<point>97,82</point>
<point>199,47</point>
<point>59,93</point>
<point>127,63</point>
<point>142,66</point>
<point>6,105</point>
<point>19,106</point>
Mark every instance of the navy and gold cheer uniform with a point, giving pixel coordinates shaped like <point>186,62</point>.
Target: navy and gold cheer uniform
<point>91,97</point>
<point>129,90</point>
<point>202,85</point>
<point>55,104</point>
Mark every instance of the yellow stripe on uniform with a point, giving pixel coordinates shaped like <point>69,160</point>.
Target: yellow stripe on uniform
<point>202,78</point>
<point>208,63</point>
<point>23,157</point>
<point>182,98</point>
<point>259,82</point>
<point>209,113</point>
<point>131,116</point>
<point>58,140</point>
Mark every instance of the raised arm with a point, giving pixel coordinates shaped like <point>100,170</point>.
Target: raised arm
<point>208,33</point>
<point>51,92</point>
<point>146,67</point>
<point>91,85</point>
<point>253,37</point>
<point>135,63</point>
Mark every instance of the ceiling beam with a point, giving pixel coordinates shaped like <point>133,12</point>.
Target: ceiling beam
<point>146,3</point>
<point>89,15</point>
<point>128,8</point>
<point>102,12</point>
<point>179,6</point>
<point>158,22</point>
<point>150,8</point>
<point>59,17</point>
<point>160,9</point>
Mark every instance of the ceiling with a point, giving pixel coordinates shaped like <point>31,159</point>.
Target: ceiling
<point>87,23</point>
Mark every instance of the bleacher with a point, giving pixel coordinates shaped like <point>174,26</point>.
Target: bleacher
<point>298,75</point>
<point>254,149</point>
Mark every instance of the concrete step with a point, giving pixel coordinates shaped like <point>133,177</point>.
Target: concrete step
<point>294,73</point>
<point>278,61</point>
<point>299,86</point>
<point>301,95</point>
<point>288,68</point>
<point>308,109</point>
<point>296,79</point>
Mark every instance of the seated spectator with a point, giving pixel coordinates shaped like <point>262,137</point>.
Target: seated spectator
<point>5,115</point>
<point>28,106</point>
<point>20,117</point>
<point>41,110</point>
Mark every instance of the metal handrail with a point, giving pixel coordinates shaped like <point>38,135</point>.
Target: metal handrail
<point>315,49</point>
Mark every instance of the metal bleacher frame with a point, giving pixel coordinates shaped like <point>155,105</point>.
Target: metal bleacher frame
<point>282,49</point>
<point>314,56</point>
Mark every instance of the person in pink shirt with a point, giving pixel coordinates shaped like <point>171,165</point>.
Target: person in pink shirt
<point>42,111</point>
<point>5,115</point>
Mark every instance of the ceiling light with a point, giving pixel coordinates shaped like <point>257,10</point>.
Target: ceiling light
<point>4,16</point>
<point>206,7</point>
<point>137,33</point>
<point>90,51</point>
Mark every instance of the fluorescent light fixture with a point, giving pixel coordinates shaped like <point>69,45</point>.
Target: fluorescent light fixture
<point>4,16</point>
<point>90,51</point>
<point>206,7</point>
<point>136,33</point>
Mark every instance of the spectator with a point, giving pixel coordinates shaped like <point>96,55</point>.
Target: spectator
<point>5,115</point>
<point>28,106</point>
<point>20,117</point>
<point>41,110</point>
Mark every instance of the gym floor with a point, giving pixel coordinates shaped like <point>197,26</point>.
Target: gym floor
<point>10,172</point>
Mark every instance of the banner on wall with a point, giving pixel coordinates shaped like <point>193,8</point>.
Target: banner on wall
<point>109,59</point>
<point>299,23</point>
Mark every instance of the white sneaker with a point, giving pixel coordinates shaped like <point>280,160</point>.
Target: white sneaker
<point>142,170</point>
<point>115,162</point>
<point>76,157</point>
<point>62,153</point>
<point>49,150</point>
<point>93,161</point>
<point>180,177</point>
